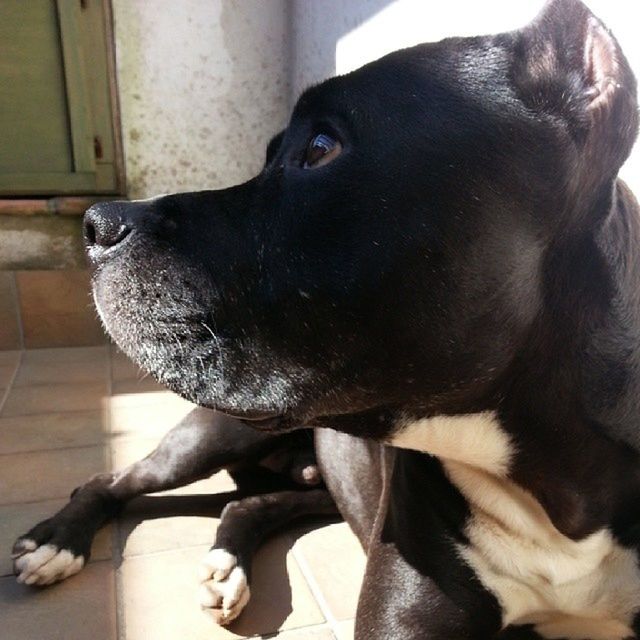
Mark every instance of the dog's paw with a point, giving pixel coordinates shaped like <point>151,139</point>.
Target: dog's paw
<point>51,551</point>
<point>224,591</point>
<point>43,564</point>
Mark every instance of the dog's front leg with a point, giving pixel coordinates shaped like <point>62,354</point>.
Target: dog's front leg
<point>397,602</point>
<point>198,446</point>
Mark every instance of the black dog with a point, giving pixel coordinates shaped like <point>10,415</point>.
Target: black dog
<point>437,255</point>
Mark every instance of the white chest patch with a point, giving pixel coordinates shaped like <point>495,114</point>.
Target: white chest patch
<point>574,590</point>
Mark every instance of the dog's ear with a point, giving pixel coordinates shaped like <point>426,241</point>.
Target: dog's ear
<point>568,65</point>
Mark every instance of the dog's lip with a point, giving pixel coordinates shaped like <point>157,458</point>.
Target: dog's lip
<point>250,415</point>
<point>262,420</point>
<point>274,423</point>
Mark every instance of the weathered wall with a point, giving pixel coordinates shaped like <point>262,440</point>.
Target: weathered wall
<point>203,86</point>
<point>41,242</point>
<point>205,83</point>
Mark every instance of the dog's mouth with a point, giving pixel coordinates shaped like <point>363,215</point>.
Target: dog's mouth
<point>255,418</point>
<point>261,422</point>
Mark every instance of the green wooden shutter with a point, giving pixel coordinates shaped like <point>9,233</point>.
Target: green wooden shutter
<point>57,106</point>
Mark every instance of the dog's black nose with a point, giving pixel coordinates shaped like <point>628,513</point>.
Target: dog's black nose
<point>106,224</point>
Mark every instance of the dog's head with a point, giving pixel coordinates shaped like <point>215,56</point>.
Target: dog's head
<point>390,253</point>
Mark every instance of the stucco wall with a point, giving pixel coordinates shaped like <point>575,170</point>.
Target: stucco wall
<point>203,85</point>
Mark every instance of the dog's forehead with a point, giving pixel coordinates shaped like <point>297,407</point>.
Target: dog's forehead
<point>451,74</point>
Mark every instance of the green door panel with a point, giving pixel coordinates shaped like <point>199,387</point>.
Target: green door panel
<point>56,105</point>
<point>33,106</point>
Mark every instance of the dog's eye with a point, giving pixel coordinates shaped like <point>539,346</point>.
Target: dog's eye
<point>322,149</point>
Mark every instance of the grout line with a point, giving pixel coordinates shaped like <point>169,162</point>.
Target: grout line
<point>108,440</point>
<point>118,560</point>
<point>205,546</point>
<point>4,397</point>
<point>72,447</point>
<point>35,501</point>
<point>117,555</point>
<point>28,502</point>
<point>316,590</point>
<point>16,297</point>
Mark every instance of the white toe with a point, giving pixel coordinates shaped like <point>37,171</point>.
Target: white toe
<point>28,563</point>
<point>217,565</point>
<point>46,565</point>
<point>225,599</point>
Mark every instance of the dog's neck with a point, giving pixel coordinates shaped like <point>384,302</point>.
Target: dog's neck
<point>615,348</point>
<point>546,426</point>
<point>572,399</point>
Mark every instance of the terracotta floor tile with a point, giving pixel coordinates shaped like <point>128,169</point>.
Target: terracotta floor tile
<point>141,385</point>
<point>17,519</point>
<point>36,373</point>
<point>52,431</point>
<point>147,399</point>
<point>127,377</point>
<point>43,475</point>
<point>52,398</point>
<point>183,517</point>
<point>122,368</point>
<point>63,355</point>
<point>10,335</point>
<point>140,536</point>
<point>126,451</point>
<point>154,611</point>
<point>336,561</point>
<point>6,374</point>
<point>80,608</point>
<point>145,414</point>
<point>56,309</point>
<point>9,357</point>
<point>8,364</point>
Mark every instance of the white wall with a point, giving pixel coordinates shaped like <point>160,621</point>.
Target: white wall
<point>348,33</point>
<point>203,86</point>
<point>205,83</point>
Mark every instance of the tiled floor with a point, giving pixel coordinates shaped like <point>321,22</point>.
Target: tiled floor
<point>66,414</point>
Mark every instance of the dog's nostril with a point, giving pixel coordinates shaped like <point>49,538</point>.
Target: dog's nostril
<point>121,233</point>
<point>104,231</point>
<point>89,233</point>
<point>107,234</point>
